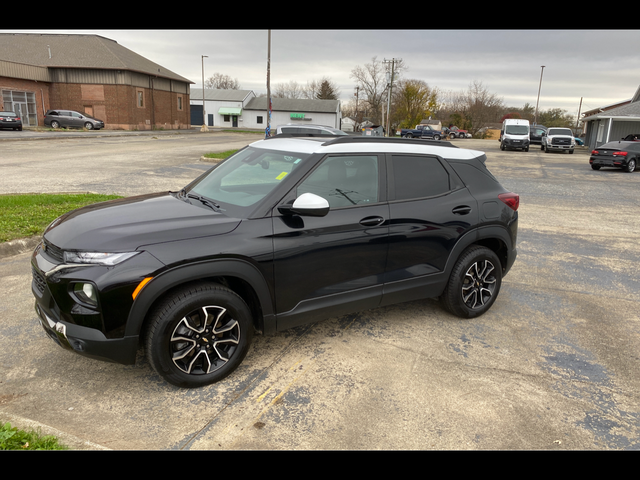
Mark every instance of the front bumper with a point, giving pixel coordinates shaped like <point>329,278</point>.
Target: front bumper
<point>97,331</point>
<point>510,143</point>
<point>85,341</point>
<point>560,147</point>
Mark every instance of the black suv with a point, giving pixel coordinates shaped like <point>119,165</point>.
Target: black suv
<point>284,232</point>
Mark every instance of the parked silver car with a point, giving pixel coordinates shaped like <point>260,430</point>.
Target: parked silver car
<point>71,119</point>
<point>296,129</point>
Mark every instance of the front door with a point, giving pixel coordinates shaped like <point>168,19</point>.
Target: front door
<point>20,109</point>
<point>332,265</point>
<point>234,120</point>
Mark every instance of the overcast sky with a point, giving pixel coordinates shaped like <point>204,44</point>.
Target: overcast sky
<point>601,66</point>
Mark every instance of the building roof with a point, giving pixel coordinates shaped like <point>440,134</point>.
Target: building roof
<point>294,104</point>
<point>631,110</point>
<point>220,94</point>
<point>77,51</point>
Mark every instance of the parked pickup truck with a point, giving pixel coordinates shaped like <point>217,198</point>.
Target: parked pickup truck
<point>421,131</point>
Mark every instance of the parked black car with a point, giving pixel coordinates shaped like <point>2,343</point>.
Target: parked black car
<point>10,120</point>
<point>622,154</point>
<point>284,232</point>
<point>536,132</point>
<point>71,119</point>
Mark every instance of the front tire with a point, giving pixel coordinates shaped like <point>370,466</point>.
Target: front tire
<point>474,283</point>
<point>88,125</point>
<point>199,335</point>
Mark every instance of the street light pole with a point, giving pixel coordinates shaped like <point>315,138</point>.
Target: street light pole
<point>535,120</point>
<point>204,123</point>
<point>267,132</point>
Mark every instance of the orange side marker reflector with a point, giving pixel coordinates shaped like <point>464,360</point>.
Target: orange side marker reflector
<point>140,286</point>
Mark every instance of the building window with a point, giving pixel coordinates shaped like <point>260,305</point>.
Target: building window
<point>259,120</point>
<point>227,118</point>
<point>180,102</point>
<point>140,98</point>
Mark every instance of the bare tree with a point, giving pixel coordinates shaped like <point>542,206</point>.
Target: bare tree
<point>292,89</point>
<point>221,81</point>
<point>472,109</point>
<point>372,82</point>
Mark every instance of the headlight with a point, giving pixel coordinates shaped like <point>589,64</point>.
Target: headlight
<point>97,258</point>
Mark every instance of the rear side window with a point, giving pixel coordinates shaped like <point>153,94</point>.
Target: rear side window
<point>418,177</point>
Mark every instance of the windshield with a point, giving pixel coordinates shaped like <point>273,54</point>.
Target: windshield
<point>560,131</point>
<point>245,178</point>
<point>517,129</point>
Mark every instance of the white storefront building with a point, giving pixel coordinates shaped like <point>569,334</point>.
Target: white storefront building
<point>242,109</point>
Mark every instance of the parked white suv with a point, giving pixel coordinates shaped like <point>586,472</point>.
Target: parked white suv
<point>558,139</point>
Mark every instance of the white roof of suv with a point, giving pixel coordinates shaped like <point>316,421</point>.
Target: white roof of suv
<point>323,146</point>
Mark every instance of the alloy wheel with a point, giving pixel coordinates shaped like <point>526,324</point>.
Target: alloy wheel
<point>204,340</point>
<point>479,284</point>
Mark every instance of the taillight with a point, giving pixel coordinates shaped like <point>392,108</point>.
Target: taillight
<point>594,152</point>
<point>621,154</point>
<point>512,200</point>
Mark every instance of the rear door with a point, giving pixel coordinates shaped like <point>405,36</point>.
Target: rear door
<point>430,210</point>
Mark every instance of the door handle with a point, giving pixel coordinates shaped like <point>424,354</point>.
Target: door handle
<point>371,221</point>
<point>462,210</point>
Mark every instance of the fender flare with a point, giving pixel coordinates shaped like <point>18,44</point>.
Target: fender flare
<point>183,274</point>
<point>489,232</point>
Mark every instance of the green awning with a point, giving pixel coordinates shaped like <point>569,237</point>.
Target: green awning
<point>230,110</point>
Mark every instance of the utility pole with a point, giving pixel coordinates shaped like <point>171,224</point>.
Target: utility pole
<point>578,118</point>
<point>357,125</point>
<point>535,119</point>
<point>204,123</point>
<point>267,132</point>
<point>390,85</point>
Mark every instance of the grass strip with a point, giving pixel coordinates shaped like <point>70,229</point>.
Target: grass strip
<point>14,439</point>
<point>222,155</point>
<point>25,215</point>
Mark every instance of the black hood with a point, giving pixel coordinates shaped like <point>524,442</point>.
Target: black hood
<point>129,223</point>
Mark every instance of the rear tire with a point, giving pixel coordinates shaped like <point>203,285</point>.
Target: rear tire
<point>631,166</point>
<point>198,335</point>
<point>474,283</point>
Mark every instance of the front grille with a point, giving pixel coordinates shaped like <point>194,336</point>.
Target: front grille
<point>561,141</point>
<point>38,280</point>
<point>53,251</point>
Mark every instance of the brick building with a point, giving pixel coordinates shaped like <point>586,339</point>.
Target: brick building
<point>90,74</point>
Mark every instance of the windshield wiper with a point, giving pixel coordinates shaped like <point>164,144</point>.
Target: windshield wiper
<point>204,201</point>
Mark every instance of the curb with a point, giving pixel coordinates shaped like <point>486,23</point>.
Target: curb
<point>16,247</point>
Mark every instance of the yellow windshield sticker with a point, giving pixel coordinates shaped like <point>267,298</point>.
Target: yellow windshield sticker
<point>281,176</point>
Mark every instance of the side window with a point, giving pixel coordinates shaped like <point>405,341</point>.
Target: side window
<point>418,177</point>
<point>344,181</point>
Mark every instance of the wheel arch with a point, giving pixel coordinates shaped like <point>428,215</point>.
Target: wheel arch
<point>239,276</point>
<point>495,238</point>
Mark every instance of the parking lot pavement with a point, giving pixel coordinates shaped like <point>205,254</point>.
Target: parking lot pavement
<point>553,365</point>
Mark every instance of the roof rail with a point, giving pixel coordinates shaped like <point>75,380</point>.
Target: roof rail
<point>412,141</point>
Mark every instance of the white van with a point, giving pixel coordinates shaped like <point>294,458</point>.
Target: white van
<point>515,134</point>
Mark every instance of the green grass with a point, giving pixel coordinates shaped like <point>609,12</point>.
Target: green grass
<point>220,154</point>
<point>14,439</point>
<point>26,215</point>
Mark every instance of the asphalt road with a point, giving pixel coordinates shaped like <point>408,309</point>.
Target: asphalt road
<point>553,365</point>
